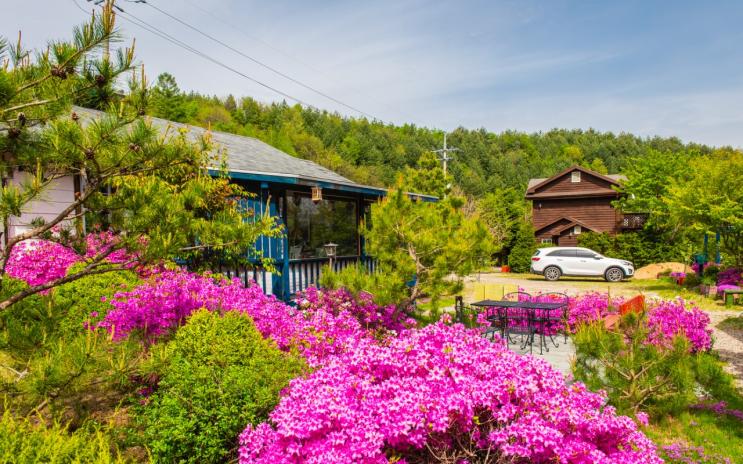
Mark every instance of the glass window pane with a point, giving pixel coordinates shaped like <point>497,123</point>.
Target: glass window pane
<point>310,225</point>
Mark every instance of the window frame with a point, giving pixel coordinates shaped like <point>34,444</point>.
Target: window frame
<point>575,177</point>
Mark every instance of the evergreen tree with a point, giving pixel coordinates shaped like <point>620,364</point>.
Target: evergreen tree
<point>524,247</point>
<point>429,179</point>
<point>148,189</point>
<point>418,247</point>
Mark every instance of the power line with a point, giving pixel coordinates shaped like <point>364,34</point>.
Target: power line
<point>177,42</point>
<point>295,60</point>
<point>259,63</point>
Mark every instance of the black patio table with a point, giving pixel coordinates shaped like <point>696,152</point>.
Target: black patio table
<point>525,308</point>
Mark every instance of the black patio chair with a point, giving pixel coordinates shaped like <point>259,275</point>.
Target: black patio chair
<point>464,311</point>
<point>517,296</point>
<point>518,321</point>
<point>547,319</point>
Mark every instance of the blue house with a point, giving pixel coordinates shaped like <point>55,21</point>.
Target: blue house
<point>315,205</point>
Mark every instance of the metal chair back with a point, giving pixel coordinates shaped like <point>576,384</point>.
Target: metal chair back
<point>517,296</point>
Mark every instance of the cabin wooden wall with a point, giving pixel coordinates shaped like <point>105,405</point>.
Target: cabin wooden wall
<point>596,212</point>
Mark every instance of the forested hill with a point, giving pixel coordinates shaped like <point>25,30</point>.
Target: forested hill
<point>373,153</point>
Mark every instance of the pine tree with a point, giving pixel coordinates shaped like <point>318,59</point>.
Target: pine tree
<point>418,246</point>
<point>158,200</point>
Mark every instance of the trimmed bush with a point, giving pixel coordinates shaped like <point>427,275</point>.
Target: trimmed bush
<point>219,375</point>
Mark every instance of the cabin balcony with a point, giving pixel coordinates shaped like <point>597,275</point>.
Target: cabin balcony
<point>632,221</point>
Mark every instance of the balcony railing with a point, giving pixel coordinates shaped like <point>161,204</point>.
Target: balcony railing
<point>633,221</point>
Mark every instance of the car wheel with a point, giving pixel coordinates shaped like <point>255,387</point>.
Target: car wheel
<point>552,274</point>
<point>614,274</point>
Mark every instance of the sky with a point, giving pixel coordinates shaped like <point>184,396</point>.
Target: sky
<point>648,67</point>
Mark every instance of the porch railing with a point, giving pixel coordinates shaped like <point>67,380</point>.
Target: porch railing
<point>304,273</point>
<point>633,221</point>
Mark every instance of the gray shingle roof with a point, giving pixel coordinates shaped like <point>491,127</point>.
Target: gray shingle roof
<point>252,156</point>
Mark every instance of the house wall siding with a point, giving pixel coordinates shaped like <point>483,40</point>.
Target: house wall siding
<point>59,196</point>
<point>596,212</point>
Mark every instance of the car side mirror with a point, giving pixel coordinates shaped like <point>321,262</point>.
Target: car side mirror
<point>598,257</point>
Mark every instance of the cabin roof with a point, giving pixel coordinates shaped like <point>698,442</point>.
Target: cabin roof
<point>250,158</point>
<point>559,228</point>
<point>613,178</point>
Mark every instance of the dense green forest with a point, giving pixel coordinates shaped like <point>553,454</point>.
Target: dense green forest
<point>373,153</point>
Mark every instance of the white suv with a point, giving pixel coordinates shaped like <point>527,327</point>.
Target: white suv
<point>569,261</point>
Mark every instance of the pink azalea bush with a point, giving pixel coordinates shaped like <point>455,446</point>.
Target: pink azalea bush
<point>446,388</point>
<point>730,276</point>
<point>165,302</point>
<point>670,318</point>
<point>370,315</point>
<point>41,261</point>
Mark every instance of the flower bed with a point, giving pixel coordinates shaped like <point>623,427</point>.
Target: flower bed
<point>441,390</point>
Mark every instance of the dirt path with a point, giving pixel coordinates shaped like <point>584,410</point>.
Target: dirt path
<point>729,343</point>
<point>572,286</point>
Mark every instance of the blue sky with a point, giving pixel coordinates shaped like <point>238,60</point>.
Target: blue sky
<point>650,68</point>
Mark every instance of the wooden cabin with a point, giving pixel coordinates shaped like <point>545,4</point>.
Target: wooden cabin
<point>575,201</point>
<point>315,206</point>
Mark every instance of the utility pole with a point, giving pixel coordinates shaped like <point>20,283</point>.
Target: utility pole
<point>445,154</point>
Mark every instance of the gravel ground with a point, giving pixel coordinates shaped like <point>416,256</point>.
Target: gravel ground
<point>729,343</point>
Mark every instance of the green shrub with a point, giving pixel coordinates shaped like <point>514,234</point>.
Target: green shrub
<point>91,295</point>
<point>524,247</point>
<point>600,243</point>
<point>692,280</point>
<point>642,247</point>
<point>218,375</point>
<point>23,442</point>
<point>710,272</point>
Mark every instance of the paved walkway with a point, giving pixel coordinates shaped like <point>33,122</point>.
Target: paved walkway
<point>558,357</point>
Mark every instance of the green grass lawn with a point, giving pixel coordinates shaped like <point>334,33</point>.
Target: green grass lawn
<point>722,434</point>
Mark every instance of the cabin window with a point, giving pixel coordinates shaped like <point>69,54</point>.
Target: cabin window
<point>312,224</point>
<point>546,240</point>
<point>575,177</point>
<point>576,230</point>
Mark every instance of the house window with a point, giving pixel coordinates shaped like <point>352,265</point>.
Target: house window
<point>546,240</point>
<point>575,177</point>
<point>576,230</point>
<point>312,224</point>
